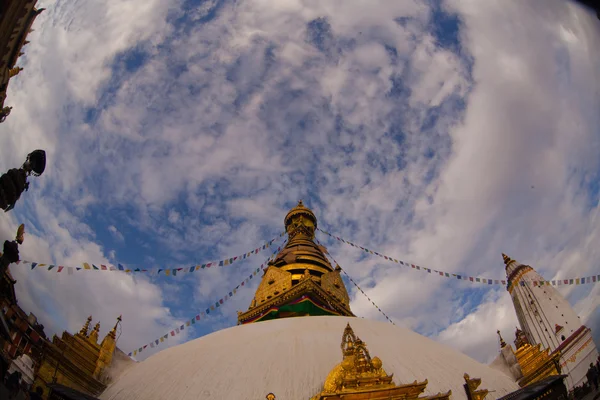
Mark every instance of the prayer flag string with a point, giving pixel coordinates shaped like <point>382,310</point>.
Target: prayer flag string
<point>486,281</point>
<point>211,309</point>
<point>151,271</point>
<point>356,284</point>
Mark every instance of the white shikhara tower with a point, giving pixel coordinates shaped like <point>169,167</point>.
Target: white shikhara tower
<point>547,318</point>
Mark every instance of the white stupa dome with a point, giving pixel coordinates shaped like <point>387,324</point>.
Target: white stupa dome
<point>291,358</point>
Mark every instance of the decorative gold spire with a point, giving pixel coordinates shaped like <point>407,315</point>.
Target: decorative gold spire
<point>86,327</point>
<point>107,350</point>
<point>93,338</point>
<point>113,331</point>
<point>471,386</point>
<point>502,343</point>
<point>506,259</point>
<point>359,375</point>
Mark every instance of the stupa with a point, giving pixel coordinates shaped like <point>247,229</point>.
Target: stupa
<point>548,324</point>
<point>299,340</point>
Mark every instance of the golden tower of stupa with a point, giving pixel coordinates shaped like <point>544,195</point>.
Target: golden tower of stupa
<point>300,281</point>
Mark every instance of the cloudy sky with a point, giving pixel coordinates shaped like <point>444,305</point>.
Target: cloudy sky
<point>178,132</point>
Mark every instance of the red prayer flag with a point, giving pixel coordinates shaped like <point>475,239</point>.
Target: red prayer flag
<point>172,333</point>
<point>103,267</point>
<point>60,268</point>
<point>198,317</point>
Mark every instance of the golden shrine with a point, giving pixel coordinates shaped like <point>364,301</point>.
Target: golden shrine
<point>300,281</point>
<point>77,361</point>
<point>360,377</point>
<point>536,364</point>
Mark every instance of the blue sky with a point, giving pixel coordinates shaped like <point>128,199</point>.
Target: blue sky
<point>439,132</point>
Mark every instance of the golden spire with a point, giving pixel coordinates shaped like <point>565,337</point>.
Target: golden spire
<point>502,343</point>
<point>93,338</point>
<point>113,332</point>
<point>86,327</point>
<point>300,271</point>
<point>107,350</point>
<point>506,258</point>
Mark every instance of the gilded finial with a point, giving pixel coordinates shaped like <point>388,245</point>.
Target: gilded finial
<point>20,234</point>
<point>113,332</point>
<point>86,327</point>
<point>506,259</point>
<point>502,343</point>
<point>270,396</point>
<point>93,338</point>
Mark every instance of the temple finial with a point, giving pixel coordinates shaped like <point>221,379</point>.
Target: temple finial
<point>93,338</point>
<point>113,332</point>
<point>502,342</point>
<point>506,259</point>
<point>86,327</point>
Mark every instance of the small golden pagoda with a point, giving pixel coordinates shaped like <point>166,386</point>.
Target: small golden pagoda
<point>360,377</point>
<point>77,361</point>
<point>536,364</point>
<point>300,281</point>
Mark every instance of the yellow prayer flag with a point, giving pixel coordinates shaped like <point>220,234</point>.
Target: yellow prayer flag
<point>162,339</point>
<point>86,266</point>
<point>42,265</point>
<point>167,272</point>
<point>134,352</point>
<point>187,323</point>
<point>226,262</point>
<point>197,267</point>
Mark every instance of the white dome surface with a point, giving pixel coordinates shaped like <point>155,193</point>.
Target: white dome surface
<point>291,358</point>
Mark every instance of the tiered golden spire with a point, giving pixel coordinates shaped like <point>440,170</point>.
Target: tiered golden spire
<point>502,342</point>
<point>93,338</point>
<point>300,269</point>
<point>86,327</point>
<point>113,331</point>
<point>107,350</point>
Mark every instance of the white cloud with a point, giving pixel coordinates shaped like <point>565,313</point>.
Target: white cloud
<point>116,234</point>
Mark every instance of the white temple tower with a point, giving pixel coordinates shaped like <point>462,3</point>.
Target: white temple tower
<point>548,319</point>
